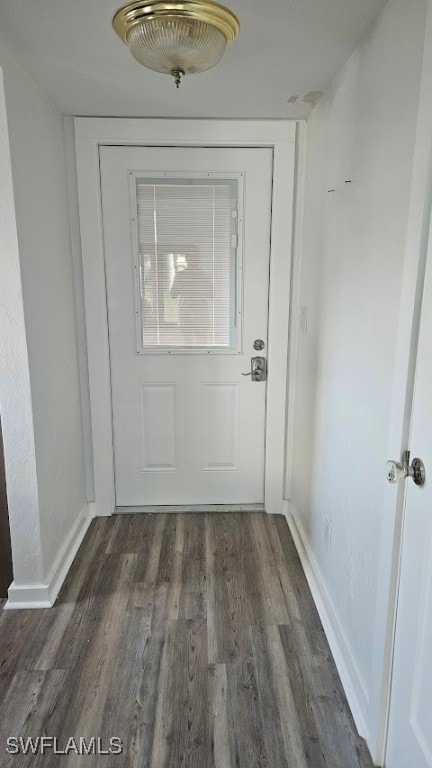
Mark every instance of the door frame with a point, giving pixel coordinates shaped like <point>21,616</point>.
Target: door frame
<point>416,254</point>
<point>280,136</point>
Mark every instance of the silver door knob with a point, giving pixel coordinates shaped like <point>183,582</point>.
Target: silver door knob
<point>400,470</point>
<point>396,471</point>
<point>258,369</point>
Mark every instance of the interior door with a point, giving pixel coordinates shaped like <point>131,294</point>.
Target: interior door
<point>410,733</point>
<point>187,240</point>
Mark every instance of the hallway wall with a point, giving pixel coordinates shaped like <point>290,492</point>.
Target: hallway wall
<point>37,152</point>
<point>361,140</point>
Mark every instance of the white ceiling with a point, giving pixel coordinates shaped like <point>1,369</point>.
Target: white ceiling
<point>286,49</point>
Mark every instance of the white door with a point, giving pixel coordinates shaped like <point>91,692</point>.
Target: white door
<point>410,734</point>
<point>187,240</point>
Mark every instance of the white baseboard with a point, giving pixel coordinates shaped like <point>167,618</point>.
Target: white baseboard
<point>173,509</point>
<point>91,510</point>
<point>44,595</point>
<point>351,680</point>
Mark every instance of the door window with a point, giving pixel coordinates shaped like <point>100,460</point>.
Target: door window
<point>187,264</point>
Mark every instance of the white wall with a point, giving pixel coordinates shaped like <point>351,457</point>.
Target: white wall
<point>15,395</point>
<point>363,132</point>
<point>37,151</point>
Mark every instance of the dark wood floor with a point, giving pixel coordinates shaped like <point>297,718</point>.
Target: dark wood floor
<point>193,638</point>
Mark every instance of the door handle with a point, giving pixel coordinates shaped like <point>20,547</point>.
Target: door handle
<point>258,370</point>
<point>400,470</point>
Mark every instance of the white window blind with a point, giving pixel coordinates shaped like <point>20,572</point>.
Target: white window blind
<point>187,262</point>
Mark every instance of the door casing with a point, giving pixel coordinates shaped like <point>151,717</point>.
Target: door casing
<point>280,136</point>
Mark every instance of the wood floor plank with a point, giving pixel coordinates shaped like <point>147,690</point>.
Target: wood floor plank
<point>142,726</point>
<point>116,544</point>
<point>130,534</point>
<point>80,710</point>
<point>212,644</point>
<point>282,561</point>
<point>167,550</point>
<point>181,727</point>
<point>221,737</point>
<point>57,648</point>
<point>175,591</point>
<point>159,595</point>
<point>65,650</point>
<point>94,547</point>
<point>5,682</point>
<point>121,700</point>
<point>148,566</point>
<point>268,700</point>
<point>98,671</point>
<point>334,720</point>
<point>328,728</point>
<point>246,735</point>
<point>17,632</point>
<point>140,534</point>
<point>192,637</point>
<point>274,604</point>
<point>295,729</point>
<point>231,608</point>
<point>303,614</point>
<point>193,575</point>
<point>146,532</point>
<point>308,612</point>
<point>16,705</point>
<point>30,700</point>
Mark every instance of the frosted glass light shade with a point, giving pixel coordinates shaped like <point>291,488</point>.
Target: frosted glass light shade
<point>176,36</point>
<point>170,44</point>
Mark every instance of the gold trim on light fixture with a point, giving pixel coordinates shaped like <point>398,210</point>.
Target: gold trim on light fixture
<point>205,11</point>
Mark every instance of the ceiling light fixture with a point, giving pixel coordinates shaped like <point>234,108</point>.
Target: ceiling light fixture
<point>180,37</point>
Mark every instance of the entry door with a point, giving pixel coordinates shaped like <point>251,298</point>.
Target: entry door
<point>410,735</point>
<point>187,239</point>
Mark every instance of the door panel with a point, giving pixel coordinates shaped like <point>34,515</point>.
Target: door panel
<point>220,421</point>
<point>410,733</point>
<point>159,427</point>
<point>187,270</point>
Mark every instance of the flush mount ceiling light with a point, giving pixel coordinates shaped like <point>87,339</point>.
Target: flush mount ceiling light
<point>177,37</point>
